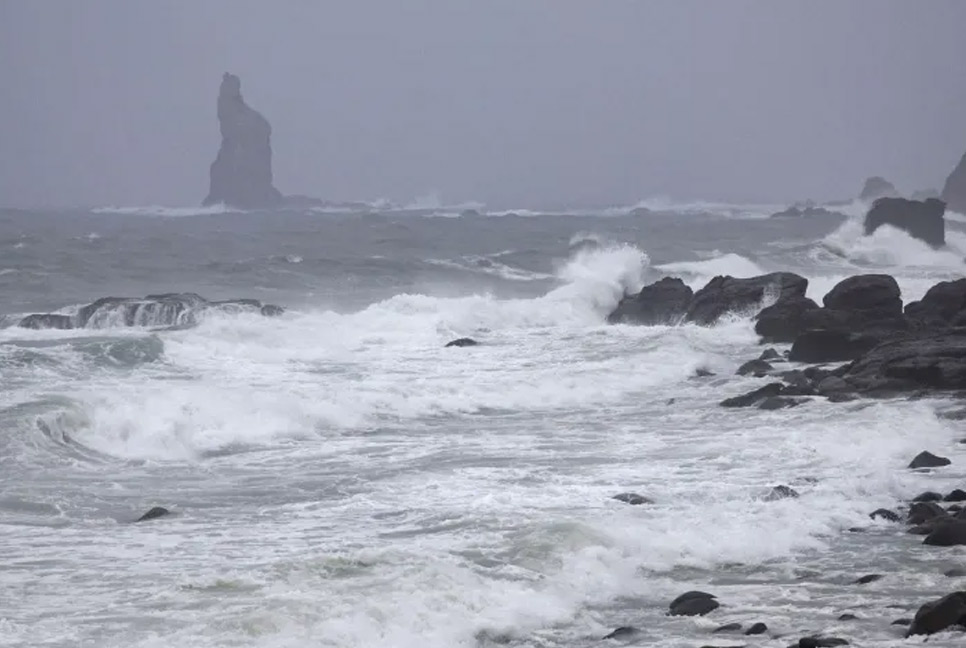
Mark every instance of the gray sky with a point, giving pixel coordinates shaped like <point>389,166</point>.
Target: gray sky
<point>511,102</point>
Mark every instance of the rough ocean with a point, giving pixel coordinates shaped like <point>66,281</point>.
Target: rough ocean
<point>338,477</point>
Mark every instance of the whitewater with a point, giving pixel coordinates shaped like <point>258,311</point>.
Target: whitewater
<point>340,478</point>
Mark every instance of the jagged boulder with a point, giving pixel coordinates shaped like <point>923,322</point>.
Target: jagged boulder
<point>724,294</point>
<point>939,615</point>
<point>784,320</point>
<point>954,191</point>
<point>877,187</point>
<point>930,360</point>
<point>662,302</point>
<point>943,304</point>
<point>920,219</point>
<point>872,297</point>
<point>46,321</point>
<point>241,175</point>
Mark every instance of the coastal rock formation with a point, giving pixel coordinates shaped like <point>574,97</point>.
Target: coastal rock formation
<point>724,295</point>
<point>241,175</point>
<point>662,302</point>
<point>168,309</point>
<point>784,320</point>
<point>939,615</point>
<point>877,187</point>
<point>954,191</point>
<point>923,220</point>
<point>807,211</point>
<point>943,305</point>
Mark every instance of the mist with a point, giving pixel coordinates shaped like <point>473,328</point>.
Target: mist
<point>536,103</point>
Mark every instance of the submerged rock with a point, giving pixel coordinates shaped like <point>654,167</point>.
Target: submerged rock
<point>693,603</point>
<point>757,629</point>
<point>753,397</point>
<point>868,578</point>
<point>241,175</point>
<point>781,492</point>
<point>757,368</point>
<point>954,191</point>
<point>662,302</point>
<point>821,642</point>
<point>922,220</point>
<point>728,627</point>
<point>885,514</point>
<point>928,460</point>
<point>462,342</point>
<point>622,632</point>
<point>632,498</point>
<point>154,513</point>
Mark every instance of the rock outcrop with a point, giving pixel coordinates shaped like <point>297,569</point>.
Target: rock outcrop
<point>877,187</point>
<point>954,191</point>
<point>923,220</point>
<point>943,305</point>
<point>662,302</point>
<point>162,310</point>
<point>724,295</point>
<point>241,175</point>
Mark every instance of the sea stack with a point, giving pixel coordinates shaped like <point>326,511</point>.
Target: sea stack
<point>877,187</point>
<point>921,219</point>
<point>241,175</point>
<point>954,192</point>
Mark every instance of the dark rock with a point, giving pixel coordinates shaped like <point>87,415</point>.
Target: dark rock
<point>241,175</point>
<point>877,187</point>
<point>806,211</point>
<point>724,295</point>
<point>781,492</point>
<point>462,342</point>
<point>953,415</point>
<point>632,498</point>
<point>947,533</point>
<point>928,496</point>
<point>939,615</point>
<point>663,302</point>
<point>955,572</point>
<point>728,627</point>
<point>271,310</point>
<point>757,629</point>
<point>847,617</point>
<point>868,578</point>
<point>623,631</point>
<point>701,372</point>
<point>942,304</point>
<point>779,402</point>
<point>826,345</point>
<point>922,220</point>
<point>46,321</point>
<point>932,361</point>
<point>784,320</point>
<point>876,295</point>
<point>928,460</point>
<point>956,495</point>
<point>856,530</point>
<point>693,603</point>
<point>757,368</point>
<point>955,508</point>
<point>795,377</point>
<point>885,514</point>
<point>903,622</point>
<point>954,191</point>
<point>753,397</point>
<point>923,512</point>
<point>770,354</point>
<point>832,385</point>
<point>821,642</point>
<point>154,513</point>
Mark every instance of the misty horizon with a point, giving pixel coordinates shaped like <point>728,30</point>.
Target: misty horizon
<point>507,104</point>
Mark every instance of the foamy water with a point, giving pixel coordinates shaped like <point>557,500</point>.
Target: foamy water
<point>340,478</point>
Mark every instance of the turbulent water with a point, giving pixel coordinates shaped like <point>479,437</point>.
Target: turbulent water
<point>339,478</point>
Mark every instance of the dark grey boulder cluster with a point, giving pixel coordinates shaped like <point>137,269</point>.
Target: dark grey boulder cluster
<point>923,219</point>
<point>890,348</point>
<point>162,310</point>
